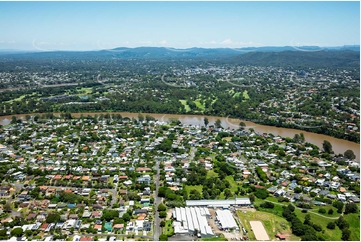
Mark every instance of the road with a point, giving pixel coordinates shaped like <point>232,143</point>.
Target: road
<point>157,201</point>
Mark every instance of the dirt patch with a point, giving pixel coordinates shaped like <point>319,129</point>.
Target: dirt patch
<point>259,230</point>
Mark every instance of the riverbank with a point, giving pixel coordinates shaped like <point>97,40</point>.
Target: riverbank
<point>339,146</point>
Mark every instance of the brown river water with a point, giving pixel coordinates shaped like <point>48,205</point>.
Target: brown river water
<point>338,145</point>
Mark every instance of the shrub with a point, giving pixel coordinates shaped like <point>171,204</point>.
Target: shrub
<point>322,210</point>
<point>331,225</point>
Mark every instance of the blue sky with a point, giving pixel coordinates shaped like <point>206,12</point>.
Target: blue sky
<point>104,25</point>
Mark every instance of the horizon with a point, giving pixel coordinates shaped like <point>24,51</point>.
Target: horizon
<point>91,26</point>
<point>194,47</point>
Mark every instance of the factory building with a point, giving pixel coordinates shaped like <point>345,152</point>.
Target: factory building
<point>189,220</point>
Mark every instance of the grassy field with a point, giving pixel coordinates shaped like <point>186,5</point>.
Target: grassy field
<point>199,104</point>
<point>217,238</point>
<point>199,188</point>
<point>329,234</point>
<point>234,184</point>
<point>16,99</point>
<point>186,106</point>
<point>237,94</point>
<point>211,173</point>
<point>168,229</point>
<point>245,94</point>
<point>272,223</point>
<point>85,90</point>
<point>354,220</point>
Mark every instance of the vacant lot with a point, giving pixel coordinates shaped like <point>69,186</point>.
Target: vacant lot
<point>272,223</point>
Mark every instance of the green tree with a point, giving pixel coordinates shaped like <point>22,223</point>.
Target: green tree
<point>140,117</point>
<point>346,233</point>
<point>53,218</point>
<point>351,208</point>
<point>161,207</point>
<point>17,232</point>
<point>163,237</point>
<point>327,147</point>
<point>162,214</point>
<point>217,124</point>
<point>349,154</point>
<point>206,121</point>
<point>242,125</point>
<point>331,225</point>
<point>330,211</point>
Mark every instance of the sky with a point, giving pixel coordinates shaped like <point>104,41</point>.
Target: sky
<point>106,25</point>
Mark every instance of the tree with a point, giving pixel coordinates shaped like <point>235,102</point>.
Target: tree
<point>330,211</point>
<point>307,219</point>
<point>162,223</point>
<point>126,217</point>
<point>351,208</point>
<point>261,193</point>
<point>140,117</point>
<point>162,214</point>
<point>242,125</point>
<point>339,205</point>
<point>331,225</point>
<point>161,207</point>
<point>206,121</point>
<point>252,197</point>
<point>342,223</point>
<point>53,218</point>
<point>349,154</point>
<point>217,124</point>
<point>322,210</point>
<point>346,233</point>
<point>16,232</point>
<point>163,237</point>
<point>327,147</point>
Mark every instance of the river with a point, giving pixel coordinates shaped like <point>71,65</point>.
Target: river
<point>338,145</point>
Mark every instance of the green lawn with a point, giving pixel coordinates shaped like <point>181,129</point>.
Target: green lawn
<point>216,238</point>
<point>245,94</point>
<point>186,106</point>
<point>354,220</point>
<point>234,184</point>
<point>199,104</point>
<point>211,173</point>
<point>237,94</point>
<point>85,90</point>
<point>16,99</point>
<point>168,229</point>
<point>199,188</point>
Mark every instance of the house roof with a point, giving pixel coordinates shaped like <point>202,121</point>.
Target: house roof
<point>118,226</point>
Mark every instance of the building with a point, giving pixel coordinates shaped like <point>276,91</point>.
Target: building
<point>219,203</point>
<point>189,220</point>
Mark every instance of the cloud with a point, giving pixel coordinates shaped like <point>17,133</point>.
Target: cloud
<point>163,42</point>
<point>227,42</point>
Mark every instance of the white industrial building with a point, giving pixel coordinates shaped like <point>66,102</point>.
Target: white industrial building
<point>226,219</point>
<point>188,220</point>
<point>219,203</point>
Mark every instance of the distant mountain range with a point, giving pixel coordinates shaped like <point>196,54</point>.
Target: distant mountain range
<point>312,56</point>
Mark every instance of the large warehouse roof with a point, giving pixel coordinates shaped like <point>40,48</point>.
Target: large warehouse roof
<point>226,219</point>
<point>193,219</point>
<point>219,203</point>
